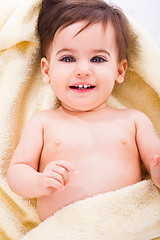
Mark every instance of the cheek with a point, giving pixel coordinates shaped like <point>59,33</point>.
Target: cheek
<point>61,75</point>
<point>58,85</point>
<point>108,76</point>
<point>107,85</point>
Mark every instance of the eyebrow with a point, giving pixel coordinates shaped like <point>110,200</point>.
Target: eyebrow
<point>65,50</point>
<point>102,51</point>
<point>94,51</point>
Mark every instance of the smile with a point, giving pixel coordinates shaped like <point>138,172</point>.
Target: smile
<point>82,87</point>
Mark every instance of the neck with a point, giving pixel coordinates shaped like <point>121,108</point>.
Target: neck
<point>100,108</point>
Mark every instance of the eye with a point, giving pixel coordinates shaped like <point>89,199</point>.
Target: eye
<point>68,59</point>
<point>98,59</point>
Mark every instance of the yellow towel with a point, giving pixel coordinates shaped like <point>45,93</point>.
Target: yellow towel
<point>131,213</point>
<point>23,93</point>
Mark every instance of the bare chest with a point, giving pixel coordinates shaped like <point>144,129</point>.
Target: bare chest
<point>72,140</point>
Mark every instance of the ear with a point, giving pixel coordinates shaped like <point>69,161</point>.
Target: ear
<point>122,67</point>
<point>45,70</point>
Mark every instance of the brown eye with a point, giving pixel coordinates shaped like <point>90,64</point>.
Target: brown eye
<point>98,59</point>
<point>68,59</point>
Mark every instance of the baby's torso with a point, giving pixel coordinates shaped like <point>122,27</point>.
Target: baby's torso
<point>104,153</point>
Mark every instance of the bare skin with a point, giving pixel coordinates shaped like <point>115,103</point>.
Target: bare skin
<point>104,153</point>
<point>85,147</point>
<point>96,153</point>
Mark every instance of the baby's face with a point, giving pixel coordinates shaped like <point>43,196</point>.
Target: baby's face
<point>82,68</point>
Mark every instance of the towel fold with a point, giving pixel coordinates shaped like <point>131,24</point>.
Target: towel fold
<point>131,213</point>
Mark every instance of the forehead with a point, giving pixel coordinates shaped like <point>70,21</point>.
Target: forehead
<point>94,36</point>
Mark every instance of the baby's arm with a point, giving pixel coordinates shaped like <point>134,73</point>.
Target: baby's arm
<point>23,176</point>
<point>149,145</point>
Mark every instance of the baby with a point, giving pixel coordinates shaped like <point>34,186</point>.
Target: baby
<point>85,147</point>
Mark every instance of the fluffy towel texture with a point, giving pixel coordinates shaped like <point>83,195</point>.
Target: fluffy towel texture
<point>115,215</point>
<point>133,211</point>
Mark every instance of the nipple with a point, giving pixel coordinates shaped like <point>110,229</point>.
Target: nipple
<point>57,142</point>
<point>124,141</point>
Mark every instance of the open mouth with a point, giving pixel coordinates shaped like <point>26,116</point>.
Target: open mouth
<point>82,87</point>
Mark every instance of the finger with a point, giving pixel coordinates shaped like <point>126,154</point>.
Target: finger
<point>155,170</point>
<point>67,165</point>
<point>63,172</point>
<point>59,169</point>
<point>54,184</point>
<point>155,160</point>
<point>56,176</point>
<point>60,174</point>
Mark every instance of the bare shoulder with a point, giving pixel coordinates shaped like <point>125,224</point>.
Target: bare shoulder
<point>136,115</point>
<point>141,120</point>
<point>42,117</point>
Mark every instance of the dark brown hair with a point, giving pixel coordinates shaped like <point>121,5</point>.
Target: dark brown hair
<point>58,14</point>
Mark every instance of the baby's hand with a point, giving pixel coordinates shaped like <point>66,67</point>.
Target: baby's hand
<point>155,169</point>
<point>55,176</point>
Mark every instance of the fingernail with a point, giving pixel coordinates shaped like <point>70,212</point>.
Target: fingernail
<point>155,160</point>
<point>61,188</point>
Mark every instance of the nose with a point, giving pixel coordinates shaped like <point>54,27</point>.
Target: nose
<point>83,70</point>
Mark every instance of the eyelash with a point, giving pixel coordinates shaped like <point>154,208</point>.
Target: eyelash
<point>100,59</point>
<point>66,58</point>
<point>69,59</point>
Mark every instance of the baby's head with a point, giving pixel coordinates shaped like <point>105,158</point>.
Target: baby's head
<point>58,14</point>
<point>84,50</point>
